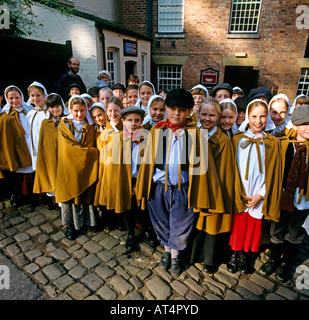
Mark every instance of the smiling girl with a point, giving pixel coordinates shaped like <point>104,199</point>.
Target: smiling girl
<point>257,182</point>
<point>228,117</point>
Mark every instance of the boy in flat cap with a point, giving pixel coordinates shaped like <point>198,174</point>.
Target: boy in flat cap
<point>288,233</point>
<point>174,179</point>
<point>119,168</point>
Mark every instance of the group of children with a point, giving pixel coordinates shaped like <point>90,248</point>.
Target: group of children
<point>187,167</point>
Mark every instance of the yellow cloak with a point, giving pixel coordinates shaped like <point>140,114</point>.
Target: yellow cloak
<point>204,192</point>
<point>77,167</point>
<point>223,154</point>
<point>47,158</point>
<point>273,178</point>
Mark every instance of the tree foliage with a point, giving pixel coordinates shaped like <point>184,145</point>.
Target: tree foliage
<point>23,19</point>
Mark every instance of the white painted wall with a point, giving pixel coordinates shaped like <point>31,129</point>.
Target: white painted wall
<point>58,28</point>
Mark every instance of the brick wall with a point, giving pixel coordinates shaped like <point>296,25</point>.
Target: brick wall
<point>206,43</point>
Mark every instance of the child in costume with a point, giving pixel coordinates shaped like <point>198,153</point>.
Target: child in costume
<point>210,226</point>
<point>156,111</point>
<point>77,168</point>
<point>145,90</point>
<point>228,116</point>
<point>174,178</point>
<point>47,154</point>
<point>287,233</point>
<point>16,146</point>
<point>257,183</point>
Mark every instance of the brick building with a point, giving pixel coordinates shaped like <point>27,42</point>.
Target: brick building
<point>249,42</point>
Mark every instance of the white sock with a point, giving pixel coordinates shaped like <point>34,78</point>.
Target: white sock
<point>167,249</point>
<point>175,253</point>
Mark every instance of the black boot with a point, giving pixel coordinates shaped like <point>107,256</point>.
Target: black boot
<point>289,251</point>
<point>274,260</point>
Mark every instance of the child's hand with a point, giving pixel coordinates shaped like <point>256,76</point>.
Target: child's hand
<point>253,201</point>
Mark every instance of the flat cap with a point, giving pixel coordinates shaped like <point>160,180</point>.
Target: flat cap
<point>300,115</point>
<point>180,98</point>
<point>132,109</point>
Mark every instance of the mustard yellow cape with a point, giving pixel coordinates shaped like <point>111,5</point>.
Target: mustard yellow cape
<point>14,152</point>
<point>47,158</point>
<point>223,154</point>
<point>114,189</point>
<point>204,192</point>
<point>273,178</point>
<point>77,167</point>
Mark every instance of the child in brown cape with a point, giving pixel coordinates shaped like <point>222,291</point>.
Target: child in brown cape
<point>77,168</point>
<point>15,147</point>
<point>210,226</point>
<point>287,233</point>
<point>47,154</point>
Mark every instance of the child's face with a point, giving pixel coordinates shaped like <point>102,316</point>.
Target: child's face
<point>208,116</point>
<point>79,112</point>
<point>257,119</point>
<point>95,98</point>
<point>132,122</point>
<point>99,116</point>
<point>176,115</point>
<point>14,99</point>
<point>302,132</point>
<point>37,98</point>
<point>240,118</point>
<point>278,112</point>
<point>125,102</point>
<point>157,111</point>
<point>118,93</point>
<point>74,91</point>
<point>227,119</point>
<point>145,92</point>
<point>197,100</point>
<point>132,95</point>
<point>133,82</point>
<point>222,94</point>
<point>56,110</point>
<point>105,96</point>
<point>113,112</point>
<point>236,95</point>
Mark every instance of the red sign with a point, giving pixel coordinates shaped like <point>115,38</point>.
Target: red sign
<point>209,76</point>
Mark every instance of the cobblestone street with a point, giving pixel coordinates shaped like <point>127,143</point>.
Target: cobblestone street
<point>96,266</point>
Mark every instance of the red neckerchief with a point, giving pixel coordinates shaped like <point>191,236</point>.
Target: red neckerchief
<point>171,126</point>
<point>134,136</point>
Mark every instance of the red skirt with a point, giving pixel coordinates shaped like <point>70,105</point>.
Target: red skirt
<point>246,232</point>
<point>23,183</point>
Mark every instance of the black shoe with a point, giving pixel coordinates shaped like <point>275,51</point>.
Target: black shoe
<point>232,265</point>
<point>131,243</point>
<point>71,233</point>
<point>268,267</point>
<point>283,272</point>
<point>242,264</point>
<point>208,268</point>
<point>14,201</point>
<point>176,268</point>
<point>165,261</point>
<point>151,238</point>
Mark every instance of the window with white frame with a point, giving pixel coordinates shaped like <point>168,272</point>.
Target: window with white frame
<point>144,67</point>
<point>170,16</point>
<point>303,82</point>
<point>169,77</point>
<point>112,64</point>
<point>245,16</point>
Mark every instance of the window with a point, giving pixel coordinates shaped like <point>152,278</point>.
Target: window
<point>112,65</point>
<point>245,16</point>
<point>303,82</point>
<point>144,67</point>
<point>169,77</point>
<point>170,16</point>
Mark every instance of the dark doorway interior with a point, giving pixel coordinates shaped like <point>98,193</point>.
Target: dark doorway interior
<point>25,61</point>
<point>130,68</point>
<point>244,77</point>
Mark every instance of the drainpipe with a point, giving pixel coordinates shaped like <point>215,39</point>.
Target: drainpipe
<point>102,39</point>
<point>149,34</point>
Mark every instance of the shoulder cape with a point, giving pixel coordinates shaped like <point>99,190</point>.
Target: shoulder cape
<point>77,167</point>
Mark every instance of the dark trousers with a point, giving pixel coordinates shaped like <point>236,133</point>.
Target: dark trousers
<point>171,218</point>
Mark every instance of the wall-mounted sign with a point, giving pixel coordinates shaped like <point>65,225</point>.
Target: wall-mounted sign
<point>129,48</point>
<point>209,76</point>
